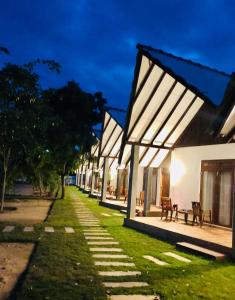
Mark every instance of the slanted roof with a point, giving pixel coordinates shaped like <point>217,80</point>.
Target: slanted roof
<point>211,83</point>
<point>118,114</point>
<point>167,93</point>
<point>111,134</point>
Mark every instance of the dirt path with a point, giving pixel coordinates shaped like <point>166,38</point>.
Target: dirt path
<point>13,261</point>
<point>27,211</point>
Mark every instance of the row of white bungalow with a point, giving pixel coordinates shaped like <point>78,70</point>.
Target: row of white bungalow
<point>176,140</point>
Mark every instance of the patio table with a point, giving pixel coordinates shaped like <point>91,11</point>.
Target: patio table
<point>185,212</point>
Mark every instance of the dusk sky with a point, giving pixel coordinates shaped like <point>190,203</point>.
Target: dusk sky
<point>95,41</point>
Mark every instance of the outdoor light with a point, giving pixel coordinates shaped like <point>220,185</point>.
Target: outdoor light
<point>177,171</point>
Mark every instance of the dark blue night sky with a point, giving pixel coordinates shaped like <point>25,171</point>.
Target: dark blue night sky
<point>95,41</point>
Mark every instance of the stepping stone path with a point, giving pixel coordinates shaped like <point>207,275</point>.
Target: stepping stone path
<point>178,257</point>
<point>96,233</point>
<point>69,230</point>
<point>114,263</point>
<point>102,243</point>
<point>125,284</point>
<point>8,228</point>
<point>155,260</point>
<point>100,237</point>
<point>119,273</point>
<point>110,256</point>
<point>49,229</point>
<point>133,297</point>
<point>28,229</point>
<point>99,249</point>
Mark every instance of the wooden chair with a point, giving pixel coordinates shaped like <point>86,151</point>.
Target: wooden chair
<point>199,213</point>
<point>168,207</point>
<point>140,200</point>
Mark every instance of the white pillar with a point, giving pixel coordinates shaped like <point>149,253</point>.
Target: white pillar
<point>81,177</point>
<point>76,177</point>
<point>86,177</point>
<point>133,178</point>
<point>92,179</point>
<point>105,179</point>
<point>147,191</point>
<point>233,232</point>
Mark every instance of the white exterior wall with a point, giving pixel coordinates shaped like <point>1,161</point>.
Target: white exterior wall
<point>186,167</point>
<point>113,178</point>
<point>140,180</point>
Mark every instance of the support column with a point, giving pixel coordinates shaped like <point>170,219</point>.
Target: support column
<point>86,177</point>
<point>147,191</point>
<point>233,231</point>
<point>81,177</point>
<point>92,180</point>
<point>105,179</point>
<point>76,178</point>
<point>133,178</point>
<point>119,176</point>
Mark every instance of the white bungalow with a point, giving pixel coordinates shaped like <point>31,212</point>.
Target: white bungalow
<point>178,142</point>
<point>109,149</point>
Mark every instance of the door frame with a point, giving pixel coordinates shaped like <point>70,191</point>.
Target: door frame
<point>217,166</point>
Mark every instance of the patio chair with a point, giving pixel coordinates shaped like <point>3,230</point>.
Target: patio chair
<point>168,207</point>
<point>199,213</point>
<point>140,200</point>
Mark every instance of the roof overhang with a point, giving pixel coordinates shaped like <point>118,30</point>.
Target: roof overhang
<point>111,140</point>
<point>160,109</point>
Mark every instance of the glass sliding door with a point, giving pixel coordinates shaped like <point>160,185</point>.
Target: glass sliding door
<point>225,198</point>
<point>217,190</point>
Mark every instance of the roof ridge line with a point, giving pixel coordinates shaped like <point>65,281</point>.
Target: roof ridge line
<point>141,46</point>
<point>115,108</point>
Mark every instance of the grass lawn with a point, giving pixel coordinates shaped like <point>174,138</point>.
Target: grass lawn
<point>62,267</point>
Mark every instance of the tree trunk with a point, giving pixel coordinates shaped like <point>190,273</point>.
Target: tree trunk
<point>5,167</point>
<point>62,186</point>
<point>3,189</point>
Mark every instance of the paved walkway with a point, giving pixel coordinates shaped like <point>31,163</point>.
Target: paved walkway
<point>107,253</point>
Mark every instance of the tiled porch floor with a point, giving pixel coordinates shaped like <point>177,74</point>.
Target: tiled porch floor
<point>207,233</point>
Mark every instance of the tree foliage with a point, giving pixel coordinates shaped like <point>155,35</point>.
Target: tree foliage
<point>43,134</point>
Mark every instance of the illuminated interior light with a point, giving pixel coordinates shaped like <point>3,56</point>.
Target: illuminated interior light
<point>177,171</point>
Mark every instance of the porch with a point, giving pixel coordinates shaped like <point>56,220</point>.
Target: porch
<point>208,236</point>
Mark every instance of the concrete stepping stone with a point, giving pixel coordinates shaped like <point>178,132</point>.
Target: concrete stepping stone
<point>119,273</point>
<point>155,260</point>
<point>69,230</point>
<point>131,284</point>
<point>102,243</point>
<point>106,215</point>
<point>8,228</point>
<point>110,256</point>
<point>176,256</point>
<point>94,230</point>
<point>28,229</point>
<point>88,220</point>
<point>90,225</point>
<point>200,250</point>
<point>99,249</point>
<point>49,229</point>
<point>114,264</point>
<point>98,238</point>
<point>117,215</point>
<point>132,297</point>
<point>96,233</point>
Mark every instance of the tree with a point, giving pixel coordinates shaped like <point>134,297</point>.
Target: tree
<point>19,98</point>
<point>70,135</point>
